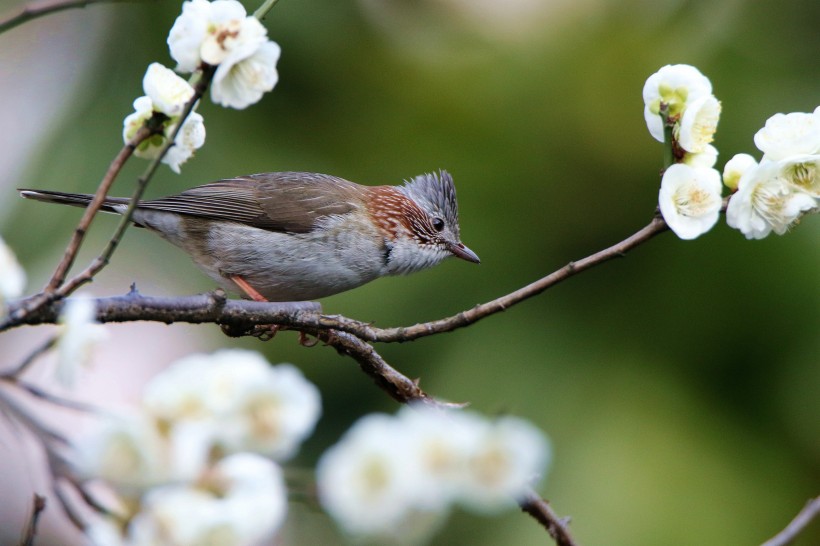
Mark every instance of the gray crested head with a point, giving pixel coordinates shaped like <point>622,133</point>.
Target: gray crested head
<point>436,194</point>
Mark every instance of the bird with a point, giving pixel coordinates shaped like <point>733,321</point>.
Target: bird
<point>298,236</point>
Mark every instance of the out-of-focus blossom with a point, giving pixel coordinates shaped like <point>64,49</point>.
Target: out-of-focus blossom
<point>12,276</point>
<point>80,333</point>
<point>389,475</point>
<point>247,404</point>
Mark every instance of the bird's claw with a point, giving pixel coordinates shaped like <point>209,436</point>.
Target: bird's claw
<point>305,341</point>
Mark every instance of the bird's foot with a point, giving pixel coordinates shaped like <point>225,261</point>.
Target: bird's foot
<point>262,332</point>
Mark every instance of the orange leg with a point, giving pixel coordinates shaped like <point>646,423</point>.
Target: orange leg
<point>263,332</point>
<point>248,289</point>
<point>266,332</point>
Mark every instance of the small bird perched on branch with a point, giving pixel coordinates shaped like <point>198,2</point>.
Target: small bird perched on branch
<point>293,236</point>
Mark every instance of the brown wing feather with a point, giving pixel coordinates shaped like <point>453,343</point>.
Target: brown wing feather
<point>286,201</point>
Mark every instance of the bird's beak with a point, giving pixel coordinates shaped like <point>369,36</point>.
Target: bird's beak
<point>461,251</point>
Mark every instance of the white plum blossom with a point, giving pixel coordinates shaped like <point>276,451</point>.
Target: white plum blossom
<point>183,465</point>
<point>792,134</point>
<point>390,475</point>
<point>12,276</point>
<point>166,94</point>
<point>252,490</point>
<point>735,168</point>
<point>126,451</point>
<point>143,111</point>
<point>242,84</point>
<point>443,442</point>
<point>190,138</point>
<point>766,201</point>
<point>803,173</point>
<point>511,456</point>
<point>369,481</point>
<point>698,124</point>
<point>275,415</point>
<point>774,194</point>
<point>221,34</point>
<point>241,501</point>
<point>690,199</point>
<point>186,36</point>
<point>79,335</point>
<point>677,86</point>
<point>238,402</point>
<point>231,35</point>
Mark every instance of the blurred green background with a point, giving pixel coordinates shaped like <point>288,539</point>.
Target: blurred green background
<point>680,385</point>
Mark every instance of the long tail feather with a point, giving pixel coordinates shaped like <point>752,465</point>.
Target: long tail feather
<point>111,204</point>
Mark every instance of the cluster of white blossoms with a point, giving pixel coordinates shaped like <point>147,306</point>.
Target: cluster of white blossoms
<point>767,196</point>
<point>680,97</point>
<point>12,277</point>
<point>398,476</point>
<point>219,34</point>
<point>773,194</point>
<point>165,94</point>
<point>196,464</point>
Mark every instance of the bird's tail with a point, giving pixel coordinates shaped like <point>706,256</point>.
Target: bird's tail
<point>111,204</point>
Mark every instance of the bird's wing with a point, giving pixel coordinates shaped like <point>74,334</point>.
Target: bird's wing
<point>286,201</point>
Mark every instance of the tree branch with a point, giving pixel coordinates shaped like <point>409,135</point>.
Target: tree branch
<point>212,307</point>
<point>797,525</point>
<point>390,380</point>
<point>30,12</point>
<point>306,316</point>
<point>543,513</point>
<point>38,506</point>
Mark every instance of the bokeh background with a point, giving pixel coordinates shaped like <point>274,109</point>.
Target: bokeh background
<point>680,385</point>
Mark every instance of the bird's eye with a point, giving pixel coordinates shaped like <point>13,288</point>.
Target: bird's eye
<point>438,224</point>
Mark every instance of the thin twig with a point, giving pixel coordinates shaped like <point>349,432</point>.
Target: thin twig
<point>93,207</point>
<point>471,316</point>
<point>68,506</point>
<point>263,10</point>
<point>46,396</point>
<point>797,525</point>
<point>387,378</point>
<point>38,506</point>
<point>29,360</point>
<point>542,512</point>
<point>10,407</point>
<point>29,12</point>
